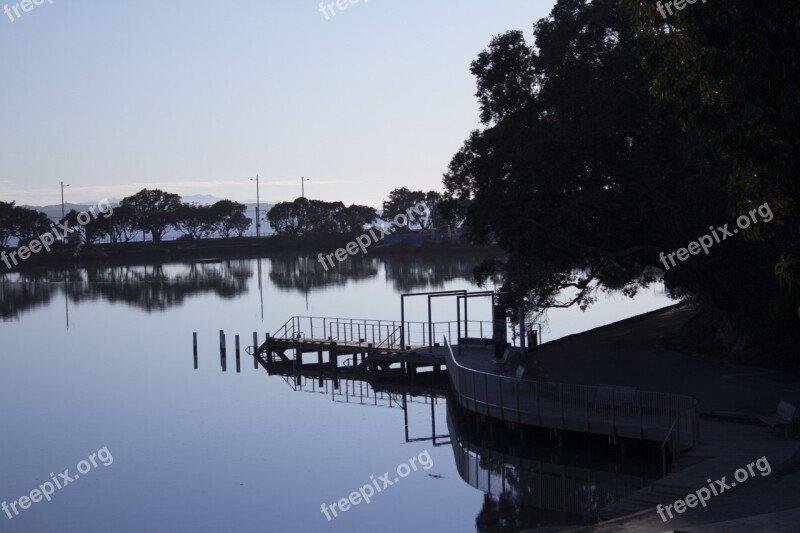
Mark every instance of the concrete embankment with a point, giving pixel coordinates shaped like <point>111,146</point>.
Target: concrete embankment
<point>732,396</point>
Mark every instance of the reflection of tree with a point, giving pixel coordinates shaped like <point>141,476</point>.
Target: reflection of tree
<point>305,273</point>
<point>148,287</point>
<point>16,298</point>
<point>406,274</point>
<point>414,273</point>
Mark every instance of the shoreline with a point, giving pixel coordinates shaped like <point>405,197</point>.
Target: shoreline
<point>131,253</point>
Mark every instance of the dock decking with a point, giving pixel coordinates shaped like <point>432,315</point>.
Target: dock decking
<point>371,346</point>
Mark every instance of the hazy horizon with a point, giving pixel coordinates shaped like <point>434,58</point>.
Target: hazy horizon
<point>194,98</point>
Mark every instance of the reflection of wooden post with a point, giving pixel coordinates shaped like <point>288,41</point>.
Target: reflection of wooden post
<point>222,357</point>
<point>267,351</point>
<point>194,348</point>
<point>405,414</point>
<point>238,366</point>
<point>320,379</point>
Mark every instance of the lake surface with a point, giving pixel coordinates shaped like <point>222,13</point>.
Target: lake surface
<point>99,361</point>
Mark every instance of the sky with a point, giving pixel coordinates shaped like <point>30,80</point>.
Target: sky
<point>198,97</point>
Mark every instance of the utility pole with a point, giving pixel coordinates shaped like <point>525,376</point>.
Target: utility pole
<point>62,199</point>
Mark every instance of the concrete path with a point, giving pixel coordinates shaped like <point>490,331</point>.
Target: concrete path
<point>628,353</point>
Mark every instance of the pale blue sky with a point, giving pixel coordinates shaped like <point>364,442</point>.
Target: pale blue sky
<point>196,97</point>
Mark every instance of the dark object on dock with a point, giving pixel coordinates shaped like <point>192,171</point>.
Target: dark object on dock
<point>783,417</point>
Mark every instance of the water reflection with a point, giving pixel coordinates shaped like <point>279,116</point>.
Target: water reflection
<point>147,287</point>
<point>527,479</point>
<point>404,273</point>
<point>356,386</point>
<point>158,287</point>
<point>530,482</point>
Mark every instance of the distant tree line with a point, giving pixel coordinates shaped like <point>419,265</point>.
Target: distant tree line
<point>151,212</point>
<point>315,217</point>
<point>154,212</point>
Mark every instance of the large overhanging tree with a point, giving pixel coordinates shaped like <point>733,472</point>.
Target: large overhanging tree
<point>734,71</point>
<point>585,178</point>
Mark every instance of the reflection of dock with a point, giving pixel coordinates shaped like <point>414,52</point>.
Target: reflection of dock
<point>353,386</point>
<point>539,488</point>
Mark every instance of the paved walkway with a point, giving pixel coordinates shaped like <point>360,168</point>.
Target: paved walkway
<point>628,353</point>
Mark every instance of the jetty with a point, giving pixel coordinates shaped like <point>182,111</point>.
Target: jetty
<point>387,350</point>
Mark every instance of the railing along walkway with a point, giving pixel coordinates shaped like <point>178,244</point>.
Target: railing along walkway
<point>590,409</point>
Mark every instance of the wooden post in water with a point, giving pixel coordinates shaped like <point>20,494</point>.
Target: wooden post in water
<point>333,353</point>
<point>255,350</point>
<point>194,348</point>
<point>238,366</point>
<point>222,355</point>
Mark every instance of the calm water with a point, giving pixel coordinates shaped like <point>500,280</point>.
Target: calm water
<point>102,358</point>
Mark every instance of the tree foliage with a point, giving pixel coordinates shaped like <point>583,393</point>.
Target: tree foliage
<point>154,210</point>
<point>734,72</point>
<point>304,216</point>
<point>585,177</point>
<point>401,200</point>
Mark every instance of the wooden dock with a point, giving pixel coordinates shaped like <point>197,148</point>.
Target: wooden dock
<point>385,350</point>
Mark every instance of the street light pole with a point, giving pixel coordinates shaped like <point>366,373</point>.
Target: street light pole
<point>62,199</point>
<point>258,209</point>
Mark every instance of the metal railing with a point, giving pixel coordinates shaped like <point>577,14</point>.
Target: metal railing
<point>380,333</point>
<point>590,409</point>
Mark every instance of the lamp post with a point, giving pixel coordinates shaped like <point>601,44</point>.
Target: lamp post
<point>258,208</point>
<point>62,199</point>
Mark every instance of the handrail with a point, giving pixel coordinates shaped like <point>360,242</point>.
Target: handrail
<point>285,328</point>
<point>672,445</point>
<point>671,429</point>
<point>389,337</point>
<point>373,331</point>
<point>585,408</point>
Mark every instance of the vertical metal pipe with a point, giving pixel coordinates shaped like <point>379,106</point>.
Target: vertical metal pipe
<point>402,321</point>
<point>430,327</point>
